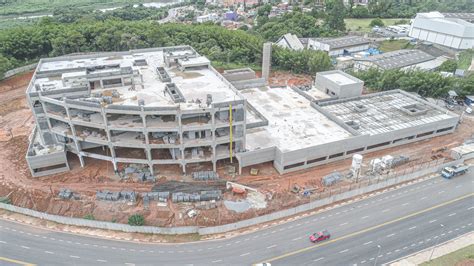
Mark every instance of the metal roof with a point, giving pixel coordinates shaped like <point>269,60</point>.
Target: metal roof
<point>341,42</point>
<point>398,59</point>
<point>464,16</point>
<point>292,41</point>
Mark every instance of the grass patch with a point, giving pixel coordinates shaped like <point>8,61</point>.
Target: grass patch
<point>465,59</point>
<point>464,254</point>
<point>393,45</point>
<point>362,24</point>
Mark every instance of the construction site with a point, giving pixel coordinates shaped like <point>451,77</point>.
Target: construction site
<point>162,133</point>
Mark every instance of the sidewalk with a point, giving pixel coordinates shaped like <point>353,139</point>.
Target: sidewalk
<point>440,250</point>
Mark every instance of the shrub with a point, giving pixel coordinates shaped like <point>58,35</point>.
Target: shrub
<point>136,219</point>
<point>89,217</point>
<point>376,22</point>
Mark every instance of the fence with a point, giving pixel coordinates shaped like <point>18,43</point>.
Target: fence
<point>315,201</point>
<point>17,70</point>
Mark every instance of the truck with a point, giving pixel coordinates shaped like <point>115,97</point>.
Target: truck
<point>452,171</point>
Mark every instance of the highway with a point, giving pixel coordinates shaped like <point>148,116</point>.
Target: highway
<point>400,221</point>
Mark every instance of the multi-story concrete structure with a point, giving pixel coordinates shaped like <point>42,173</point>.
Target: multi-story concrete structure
<point>154,107</point>
<point>446,30</point>
<point>168,106</point>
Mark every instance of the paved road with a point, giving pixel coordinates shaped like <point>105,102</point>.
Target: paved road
<point>386,219</point>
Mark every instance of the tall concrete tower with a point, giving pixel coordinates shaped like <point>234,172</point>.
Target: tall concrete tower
<point>266,60</point>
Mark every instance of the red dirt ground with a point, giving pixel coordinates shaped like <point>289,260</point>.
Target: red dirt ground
<point>16,123</point>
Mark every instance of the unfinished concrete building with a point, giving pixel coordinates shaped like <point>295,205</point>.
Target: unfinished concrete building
<point>169,106</point>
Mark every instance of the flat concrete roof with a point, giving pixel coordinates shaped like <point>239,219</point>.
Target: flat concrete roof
<point>194,84</point>
<point>339,77</point>
<point>384,112</point>
<point>292,123</point>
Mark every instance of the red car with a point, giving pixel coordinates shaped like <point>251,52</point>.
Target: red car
<point>319,236</point>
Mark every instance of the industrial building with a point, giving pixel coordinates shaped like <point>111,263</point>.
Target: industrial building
<point>400,59</point>
<point>169,106</point>
<point>447,30</point>
<point>339,46</point>
<point>290,41</point>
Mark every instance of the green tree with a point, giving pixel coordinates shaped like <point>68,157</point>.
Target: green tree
<point>360,12</point>
<point>136,220</point>
<point>336,14</point>
<point>89,217</point>
<point>376,22</point>
<point>448,66</point>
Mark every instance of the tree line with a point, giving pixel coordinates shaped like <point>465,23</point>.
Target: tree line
<point>22,45</point>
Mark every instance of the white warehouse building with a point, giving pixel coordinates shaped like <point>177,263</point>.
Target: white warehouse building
<point>436,28</point>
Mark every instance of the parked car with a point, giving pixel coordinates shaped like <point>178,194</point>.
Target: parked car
<point>319,236</point>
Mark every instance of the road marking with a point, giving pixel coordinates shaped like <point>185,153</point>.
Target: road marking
<point>442,191</point>
<point>412,245</point>
<point>458,186</point>
<point>411,228</point>
<point>362,262</point>
<point>368,229</point>
<point>322,258</point>
<point>245,254</point>
<point>25,247</point>
<point>48,252</point>
<point>405,204</point>
<point>397,250</point>
<point>386,210</point>
<point>298,238</point>
<point>372,259</point>
<point>216,261</point>
<point>366,243</point>
<point>343,251</point>
<point>272,246</point>
<point>388,253</point>
<point>432,221</point>
<point>3,242</point>
<point>343,224</point>
<point>365,217</point>
<point>76,257</point>
<point>470,208</point>
<point>16,261</point>
<point>423,198</point>
<point>452,214</point>
<point>101,260</point>
<point>405,247</point>
<point>390,235</point>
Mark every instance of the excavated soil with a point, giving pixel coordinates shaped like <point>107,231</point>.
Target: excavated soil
<point>16,124</point>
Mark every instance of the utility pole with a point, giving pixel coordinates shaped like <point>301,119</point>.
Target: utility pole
<point>378,254</point>
<point>437,241</point>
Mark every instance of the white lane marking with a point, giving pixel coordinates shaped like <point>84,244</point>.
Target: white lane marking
<point>442,191</point>
<point>405,204</point>
<point>470,208</point>
<point>432,221</point>
<point>405,247</point>
<point>412,245</point>
<point>101,260</point>
<point>343,251</point>
<point>365,217</point>
<point>423,198</point>
<point>380,255</point>
<point>362,262</point>
<point>322,258</point>
<point>272,246</point>
<point>388,253</point>
<point>237,242</point>
<point>368,243</point>
<point>3,242</point>
<point>245,254</point>
<point>371,258</point>
<point>397,250</point>
<point>48,252</point>
<point>298,238</point>
<point>343,224</point>
<point>315,219</point>
<point>390,235</point>
<point>386,210</point>
<point>458,186</point>
<point>216,261</point>
<point>25,247</point>
<point>411,228</point>
<point>129,264</point>
<point>76,257</point>
<point>421,242</point>
<point>452,214</point>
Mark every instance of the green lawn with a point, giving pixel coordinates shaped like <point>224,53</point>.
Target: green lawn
<point>362,24</point>
<point>393,45</point>
<point>463,254</point>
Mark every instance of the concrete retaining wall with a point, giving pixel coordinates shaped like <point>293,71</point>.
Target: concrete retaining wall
<point>233,226</point>
<point>13,72</point>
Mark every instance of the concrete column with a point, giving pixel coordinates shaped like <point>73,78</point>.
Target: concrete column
<point>214,165</point>
<point>266,60</point>
<point>101,83</point>
<point>74,136</point>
